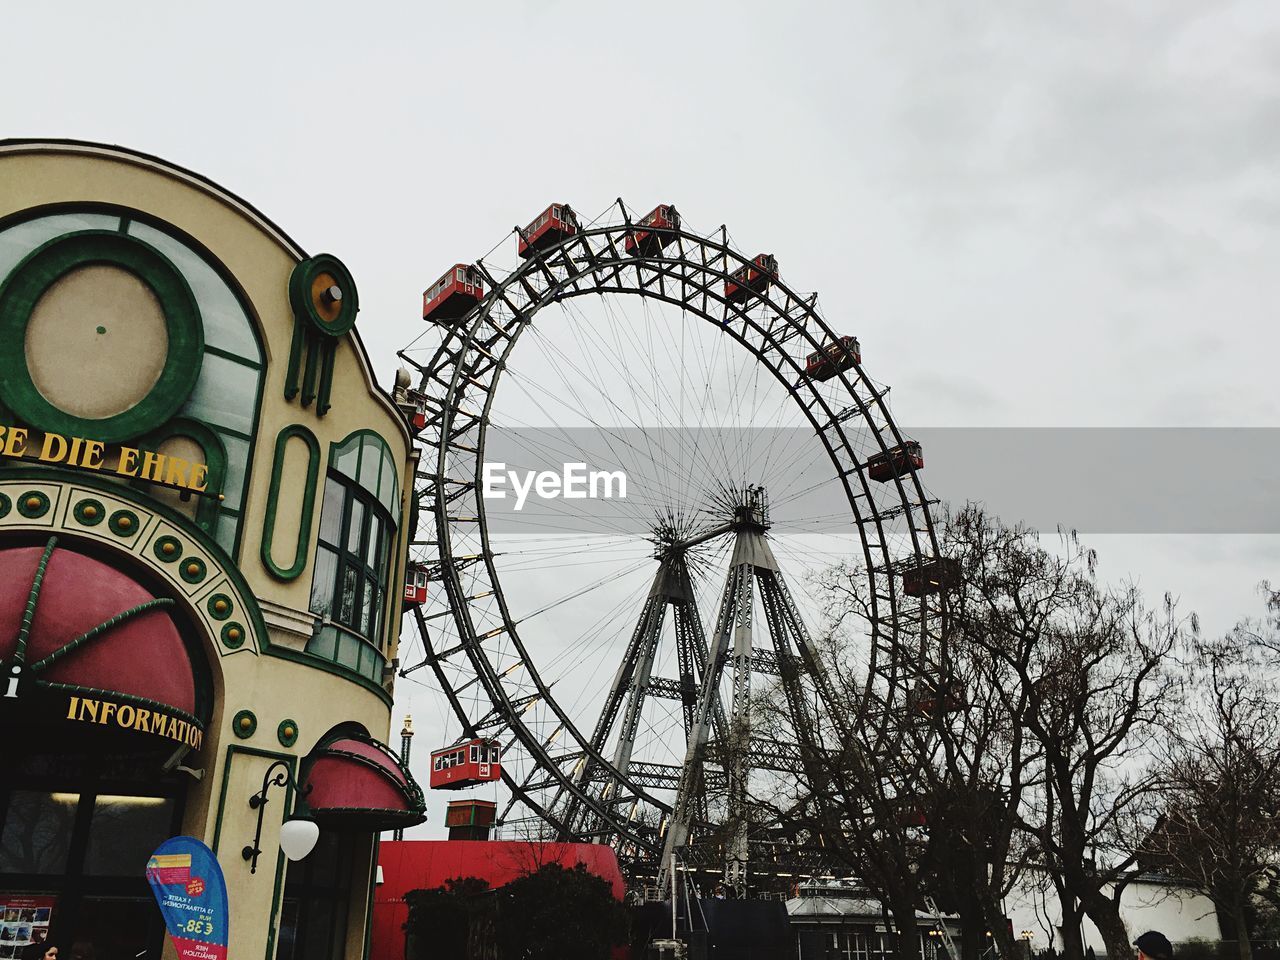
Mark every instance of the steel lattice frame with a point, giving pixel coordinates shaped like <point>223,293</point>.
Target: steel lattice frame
<point>779,327</point>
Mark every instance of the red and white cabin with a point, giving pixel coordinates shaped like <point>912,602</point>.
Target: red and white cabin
<point>830,360</point>
<point>415,584</point>
<point>753,277</point>
<point>932,576</point>
<point>660,221</point>
<point>550,227</point>
<point>451,297</point>
<point>465,764</point>
<point>946,697</point>
<point>894,463</point>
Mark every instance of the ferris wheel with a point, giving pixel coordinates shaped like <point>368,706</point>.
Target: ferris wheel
<point>607,659</point>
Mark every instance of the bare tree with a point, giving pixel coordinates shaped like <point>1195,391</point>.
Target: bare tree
<point>1220,829</point>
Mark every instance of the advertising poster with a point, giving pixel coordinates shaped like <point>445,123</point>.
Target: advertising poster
<point>24,919</point>
<point>187,881</point>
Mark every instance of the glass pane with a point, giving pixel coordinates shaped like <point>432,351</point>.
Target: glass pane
<point>387,493</point>
<point>225,394</point>
<point>227,526</point>
<point>225,324</point>
<point>124,832</point>
<point>331,512</point>
<point>17,241</point>
<point>371,464</point>
<point>323,580</point>
<point>325,643</point>
<point>348,650</point>
<point>347,458</point>
<point>347,598</point>
<point>237,467</point>
<point>37,831</point>
<point>119,926</point>
<point>355,527</point>
<point>375,538</point>
<point>366,608</point>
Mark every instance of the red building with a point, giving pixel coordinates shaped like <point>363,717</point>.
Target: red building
<point>405,865</point>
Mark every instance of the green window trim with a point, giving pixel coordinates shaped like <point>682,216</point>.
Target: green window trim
<point>294,570</point>
<point>348,569</point>
<point>51,261</point>
<point>215,452</point>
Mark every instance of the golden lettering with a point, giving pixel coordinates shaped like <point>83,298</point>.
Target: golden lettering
<point>177,467</point>
<point>140,720</point>
<point>73,702</point>
<point>16,445</point>
<point>125,719</point>
<point>107,710</point>
<point>50,441</point>
<point>199,477</point>
<point>92,458</point>
<point>91,708</point>
<point>152,466</point>
<point>128,464</point>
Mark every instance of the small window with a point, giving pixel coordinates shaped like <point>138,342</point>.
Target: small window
<point>462,275</point>
<point>436,764</point>
<point>555,212</point>
<point>475,754</point>
<point>494,748</point>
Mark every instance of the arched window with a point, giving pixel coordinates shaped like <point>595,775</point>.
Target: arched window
<point>356,541</point>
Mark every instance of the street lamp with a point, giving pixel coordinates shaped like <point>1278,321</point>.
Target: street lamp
<point>298,833</point>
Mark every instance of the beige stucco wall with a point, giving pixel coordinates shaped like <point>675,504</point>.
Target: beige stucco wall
<point>260,259</point>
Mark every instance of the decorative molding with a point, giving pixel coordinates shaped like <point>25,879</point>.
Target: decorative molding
<point>300,553</point>
<point>244,724</point>
<point>39,270</point>
<point>287,733</point>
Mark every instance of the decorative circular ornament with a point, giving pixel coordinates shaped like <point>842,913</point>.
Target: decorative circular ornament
<point>89,512</point>
<point>244,724</point>
<point>233,635</point>
<point>322,290</point>
<point>109,371</point>
<point>167,549</point>
<point>5,506</point>
<point>123,523</point>
<point>219,606</point>
<point>33,504</point>
<point>287,733</point>
<point>193,570</point>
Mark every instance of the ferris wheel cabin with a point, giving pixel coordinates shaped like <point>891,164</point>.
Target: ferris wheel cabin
<point>551,226</point>
<point>931,576</point>
<point>659,221</point>
<point>750,278</point>
<point>415,584</point>
<point>465,764</point>
<point>886,465</point>
<point>451,297</point>
<point>834,357</point>
<point>929,701</point>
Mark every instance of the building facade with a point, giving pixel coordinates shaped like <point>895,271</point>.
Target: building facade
<point>204,517</point>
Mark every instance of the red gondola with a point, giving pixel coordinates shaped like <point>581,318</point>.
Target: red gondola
<point>931,576</point>
<point>453,295</point>
<point>549,228</point>
<point>753,277</point>
<point>928,701</point>
<point>840,355</point>
<point>415,584</point>
<point>660,220</point>
<point>911,812</point>
<point>894,463</point>
<point>465,765</point>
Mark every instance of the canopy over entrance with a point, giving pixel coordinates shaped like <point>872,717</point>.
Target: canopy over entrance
<point>354,781</point>
<point>83,642</point>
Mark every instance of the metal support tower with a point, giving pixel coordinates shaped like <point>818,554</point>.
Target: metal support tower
<point>406,742</point>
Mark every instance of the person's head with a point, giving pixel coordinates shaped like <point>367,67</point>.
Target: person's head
<point>39,951</point>
<point>1154,945</point>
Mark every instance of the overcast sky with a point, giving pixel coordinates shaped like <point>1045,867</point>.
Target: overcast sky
<point>1031,214</point>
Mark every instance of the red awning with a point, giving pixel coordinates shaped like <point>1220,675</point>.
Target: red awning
<point>357,782</point>
<point>85,633</point>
